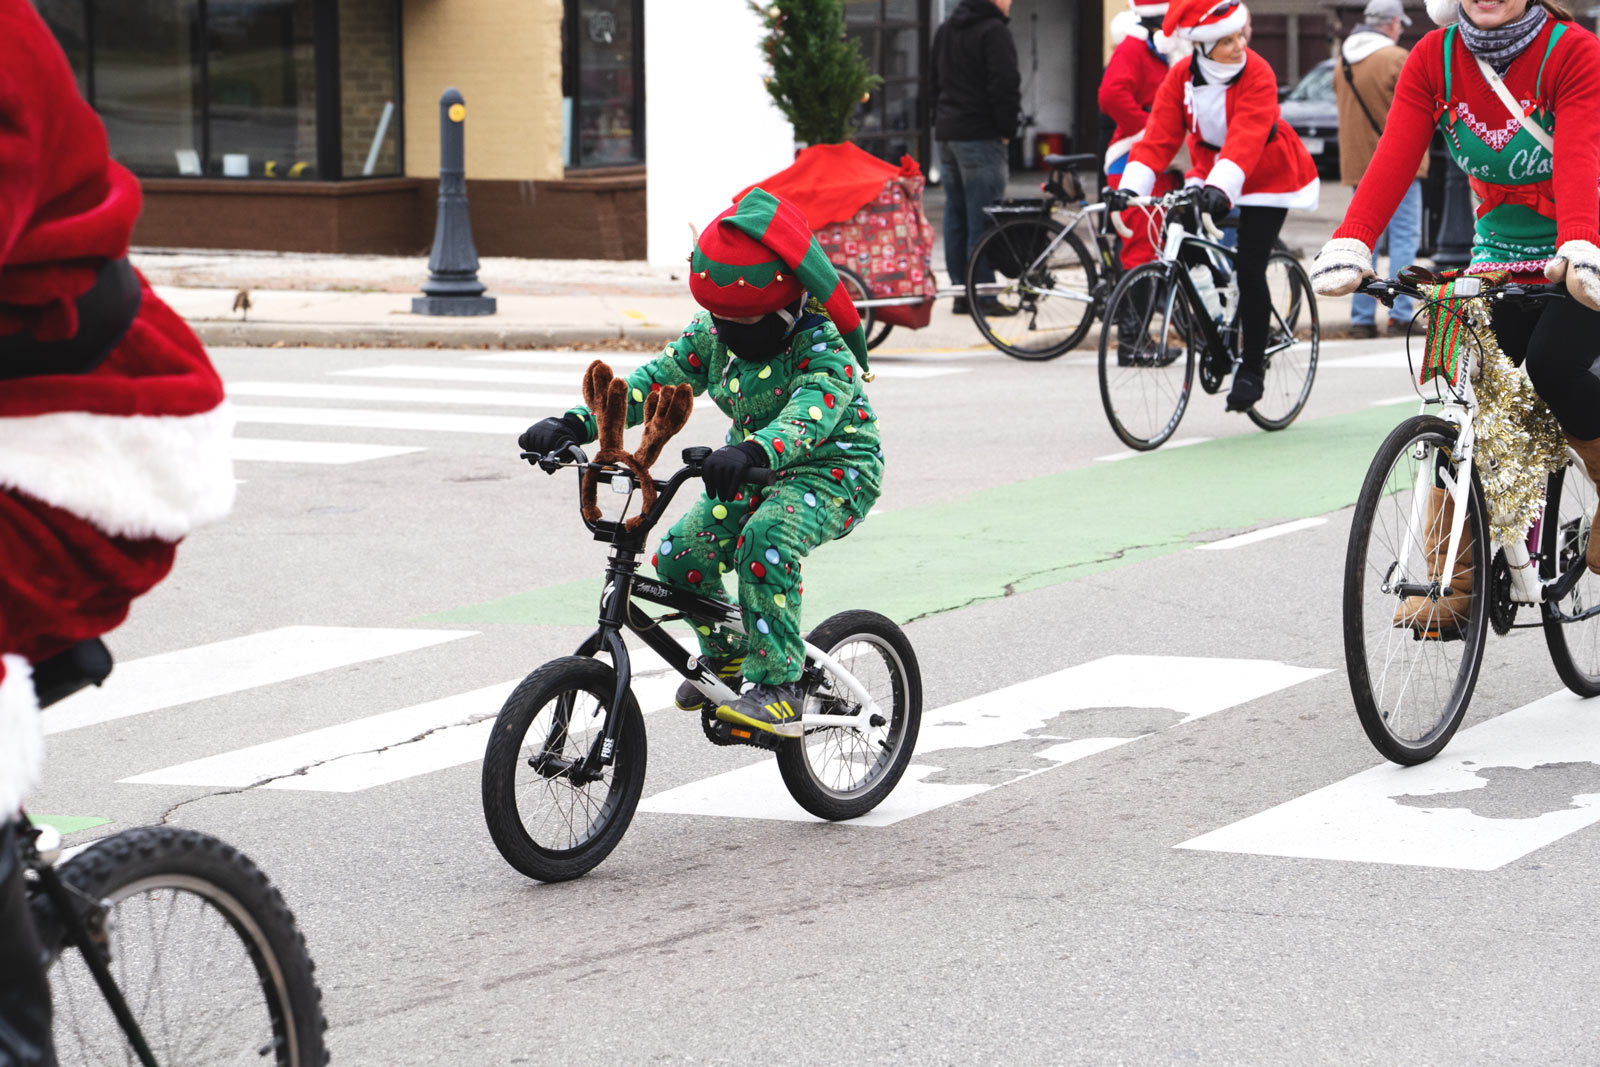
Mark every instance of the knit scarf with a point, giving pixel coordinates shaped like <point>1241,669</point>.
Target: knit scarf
<point>1499,46</point>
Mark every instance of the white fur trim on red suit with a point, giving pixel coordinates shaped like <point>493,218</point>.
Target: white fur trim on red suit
<point>1215,31</point>
<point>1145,11</point>
<point>131,476</point>
<point>1304,198</point>
<point>1137,178</point>
<point>1444,12</point>
<point>21,735</point>
<point>1229,177</point>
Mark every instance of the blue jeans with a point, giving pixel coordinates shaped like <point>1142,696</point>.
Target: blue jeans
<point>1402,236</point>
<point>975,174</point>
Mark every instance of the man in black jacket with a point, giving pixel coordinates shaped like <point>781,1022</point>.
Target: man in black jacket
<point>977,99</point>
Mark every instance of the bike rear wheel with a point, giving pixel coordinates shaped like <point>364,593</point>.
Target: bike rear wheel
<point>1563,539</point>
<point>1293,323</point>
<point>1026,312</point>
<point>205,952</point>
<point>548,819</point>
<point>836,772</point>
<point>856,286</point>
<point>1412,663</point>
<point>1147,358</point>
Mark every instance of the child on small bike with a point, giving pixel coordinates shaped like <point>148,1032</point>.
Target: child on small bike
<point>777,347</point>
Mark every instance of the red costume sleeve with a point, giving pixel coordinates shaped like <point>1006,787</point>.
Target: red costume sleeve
<point>1119,90</point>
<point>1575,97</point>
<point>1406,133</point>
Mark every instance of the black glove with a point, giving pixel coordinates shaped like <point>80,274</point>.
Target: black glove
<point>548,436</point>
<point>1214,202</point>
<point>725,469</point>
<point>1115,199</point>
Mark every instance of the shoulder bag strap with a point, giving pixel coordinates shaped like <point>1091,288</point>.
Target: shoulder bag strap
<point>1535,131</point>
<point>1351,78</point>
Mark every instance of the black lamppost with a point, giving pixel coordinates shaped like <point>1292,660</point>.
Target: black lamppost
<point>1454,247</point>
<point>452,287</point>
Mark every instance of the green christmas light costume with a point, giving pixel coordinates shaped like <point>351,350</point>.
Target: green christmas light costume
<point>807,410</point>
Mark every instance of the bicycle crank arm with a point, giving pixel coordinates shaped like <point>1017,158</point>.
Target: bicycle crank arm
<point>1563,618</point>
<point>858,722</point>
<point>1558,589</point>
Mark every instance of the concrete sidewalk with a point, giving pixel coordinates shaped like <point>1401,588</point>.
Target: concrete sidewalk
<point>328,300</point>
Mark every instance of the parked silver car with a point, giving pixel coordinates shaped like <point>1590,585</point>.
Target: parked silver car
<point>1311,109</point>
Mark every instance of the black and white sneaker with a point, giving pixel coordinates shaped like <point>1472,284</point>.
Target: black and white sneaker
<point>773,709</point>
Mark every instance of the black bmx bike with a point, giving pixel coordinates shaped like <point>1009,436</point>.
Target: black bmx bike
<point>166,947</point>
<point>564,768</point>
<point>1175,318</point>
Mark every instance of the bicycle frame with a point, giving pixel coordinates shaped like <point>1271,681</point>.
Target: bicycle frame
<point>1085,211</point>
<point>623,587</point>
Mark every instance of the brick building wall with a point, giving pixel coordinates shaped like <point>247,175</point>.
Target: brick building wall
<point>367,83</point>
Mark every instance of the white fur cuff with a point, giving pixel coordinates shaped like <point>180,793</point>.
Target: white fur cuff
<point>21,735</point>
<point>1137,178</point>
<point>1229,177</point>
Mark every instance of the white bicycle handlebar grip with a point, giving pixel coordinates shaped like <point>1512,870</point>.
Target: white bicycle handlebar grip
<point>1213,231</point>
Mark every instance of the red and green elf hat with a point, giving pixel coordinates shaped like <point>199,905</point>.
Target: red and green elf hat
<point>759,256</point>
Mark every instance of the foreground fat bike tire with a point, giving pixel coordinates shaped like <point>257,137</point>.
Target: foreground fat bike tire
<point>1146,376</point>
<point>1291,371</point>
<point>547,820</point>
<point>1025,315</point>
<point>835,772</point>
<point>1563,540</point>
<point>203,947</point>
<point>1412,681</point>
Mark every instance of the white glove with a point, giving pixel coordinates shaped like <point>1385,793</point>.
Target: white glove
<point>1578,264</point>
<point>1340,268</point>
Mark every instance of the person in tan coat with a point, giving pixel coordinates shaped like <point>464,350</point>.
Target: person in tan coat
<point>1366,70</point>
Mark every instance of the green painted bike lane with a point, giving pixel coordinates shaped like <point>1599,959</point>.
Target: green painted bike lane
<point>1042,531</point>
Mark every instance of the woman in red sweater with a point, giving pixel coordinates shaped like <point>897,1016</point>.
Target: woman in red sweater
<point>1535,181</point>
<point>1224,100</point>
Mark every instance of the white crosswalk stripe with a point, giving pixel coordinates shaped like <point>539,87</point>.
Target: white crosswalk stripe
<point>222,667</point>
<point>399,394</point>
<point>264,450</point>
<point>373,419</point>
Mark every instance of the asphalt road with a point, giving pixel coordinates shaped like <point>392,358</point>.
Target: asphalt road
<point>1028,902</point>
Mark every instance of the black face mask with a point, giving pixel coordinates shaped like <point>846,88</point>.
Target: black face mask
<point>758,342</point>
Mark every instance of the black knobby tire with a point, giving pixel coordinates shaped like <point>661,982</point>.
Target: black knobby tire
<point>1563,539</point>
<point>567,699</point>
<point>1290,372</point>
<point>877,653</point>
<point>1396,677</point>
<point>856,287</point>
<point>1041,326</point>
<point>1145,400</point>
<point>204,949</point>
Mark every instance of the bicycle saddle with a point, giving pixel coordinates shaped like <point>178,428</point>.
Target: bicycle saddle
<point>1072,162</point>
<point>85,663</point>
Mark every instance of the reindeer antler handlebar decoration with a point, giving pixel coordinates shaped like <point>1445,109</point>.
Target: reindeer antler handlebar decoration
<point>666,409</point>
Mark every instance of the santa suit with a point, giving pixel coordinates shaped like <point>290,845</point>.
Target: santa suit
<point>1127,93</point>
<point>1238,141</point>
<point>113,428</point>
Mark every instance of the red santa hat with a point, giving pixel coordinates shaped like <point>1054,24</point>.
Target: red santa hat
<point>1204,21</point>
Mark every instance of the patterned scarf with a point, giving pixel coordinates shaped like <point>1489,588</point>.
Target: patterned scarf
<point>1499,46</point>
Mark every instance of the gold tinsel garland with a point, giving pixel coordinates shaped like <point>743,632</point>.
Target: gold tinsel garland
<point>1519,442</point>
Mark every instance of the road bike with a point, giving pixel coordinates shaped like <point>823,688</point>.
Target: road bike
<point>1421,590</point>
<point>1177,315</point>
<point>564,768</point>
<point>1049,286</point>
<point>167,946</point>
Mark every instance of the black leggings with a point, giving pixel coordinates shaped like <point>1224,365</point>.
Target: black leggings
<point>1258,232</point>
<point>1559,341</point>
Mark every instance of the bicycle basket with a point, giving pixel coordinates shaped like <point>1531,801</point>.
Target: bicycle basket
<point>1011,253</point>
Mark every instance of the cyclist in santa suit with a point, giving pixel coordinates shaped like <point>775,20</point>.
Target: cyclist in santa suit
<point>1224,99</point>
<point>113,436</point>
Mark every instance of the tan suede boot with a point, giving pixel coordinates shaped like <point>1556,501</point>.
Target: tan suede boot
<point>1589,452</point>
<point>1450,611</point>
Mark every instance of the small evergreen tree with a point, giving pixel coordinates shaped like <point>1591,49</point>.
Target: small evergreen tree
<point>818,75</point>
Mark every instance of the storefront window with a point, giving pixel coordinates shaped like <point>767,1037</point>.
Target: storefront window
<point>892,35</point>
<point>603,82</point>
<point>273,89</point>
<point>262,89</point>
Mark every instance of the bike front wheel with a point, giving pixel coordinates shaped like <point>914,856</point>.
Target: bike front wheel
<point>1413,658</point>
<point>843,772</point>
<point>1563,540</point>
<point>1293,340</point>
<point>205,952</point>
<point>1041,302</point>
<point>1147,358</point>
<point>551,819</point>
